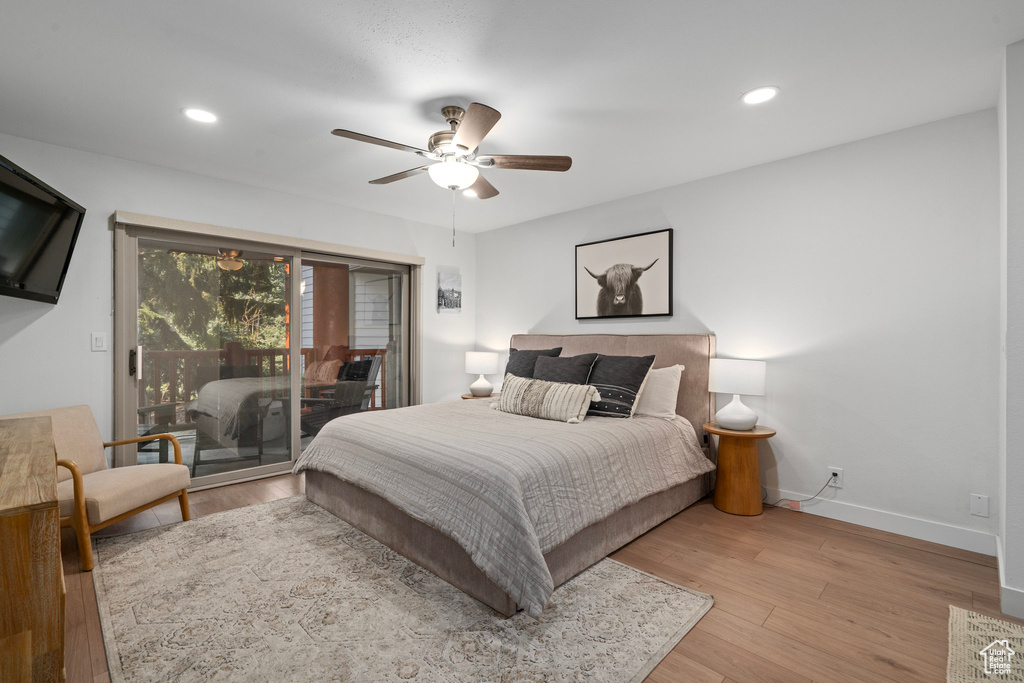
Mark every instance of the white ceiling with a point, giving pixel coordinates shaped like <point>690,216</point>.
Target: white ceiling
<point>642,95</point>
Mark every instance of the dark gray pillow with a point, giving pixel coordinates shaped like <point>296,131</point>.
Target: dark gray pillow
<point>356,370</point>
<point>566,369</point>
<point>521,363</point>
<point>619,379</point>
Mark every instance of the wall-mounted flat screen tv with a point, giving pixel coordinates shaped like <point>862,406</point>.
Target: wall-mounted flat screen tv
<point>38,230</point>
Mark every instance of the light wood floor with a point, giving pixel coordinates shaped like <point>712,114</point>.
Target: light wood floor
<point>797,597</point>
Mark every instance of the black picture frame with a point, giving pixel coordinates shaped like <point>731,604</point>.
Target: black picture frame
<point>601,259</point>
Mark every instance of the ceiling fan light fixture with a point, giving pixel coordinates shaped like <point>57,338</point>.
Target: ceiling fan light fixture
<point>453,174</point>
<point>760,95</point>
<point>469,193</point>
<point>228,259</point>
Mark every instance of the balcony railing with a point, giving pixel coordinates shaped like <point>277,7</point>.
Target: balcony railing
<point>174,377</point>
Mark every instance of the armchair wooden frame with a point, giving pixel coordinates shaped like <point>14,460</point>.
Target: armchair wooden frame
<point>79,519</point>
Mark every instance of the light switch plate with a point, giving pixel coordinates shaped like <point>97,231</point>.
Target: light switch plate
<point>98,341</point>
<point>979,505</point>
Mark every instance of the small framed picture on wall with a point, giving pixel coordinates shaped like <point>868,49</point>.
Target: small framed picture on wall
<point>449,290</point>
<point>625,277</point>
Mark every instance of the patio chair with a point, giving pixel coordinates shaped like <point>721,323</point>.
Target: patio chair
<point>347,397</point>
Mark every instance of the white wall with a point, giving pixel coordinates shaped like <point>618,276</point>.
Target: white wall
<point>45,359</point>
<point>1011,455</point>
<point>867,275</point>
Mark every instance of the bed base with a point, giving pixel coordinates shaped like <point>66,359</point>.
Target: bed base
<point>439,554</point>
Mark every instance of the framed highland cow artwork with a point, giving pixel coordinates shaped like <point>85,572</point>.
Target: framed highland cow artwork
<point>625,277</point>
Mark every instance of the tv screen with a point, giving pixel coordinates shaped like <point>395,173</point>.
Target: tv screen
<point>38,230</point>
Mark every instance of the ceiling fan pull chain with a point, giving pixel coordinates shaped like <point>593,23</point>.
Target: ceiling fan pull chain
<point>453,218</point>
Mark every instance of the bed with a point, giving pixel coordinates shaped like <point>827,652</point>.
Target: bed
<point>476,522</point>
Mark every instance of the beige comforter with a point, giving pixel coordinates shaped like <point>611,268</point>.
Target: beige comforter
<point>507,488</point>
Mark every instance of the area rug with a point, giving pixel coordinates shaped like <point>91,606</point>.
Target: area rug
<point>285,591</point>
<point>983,648</point>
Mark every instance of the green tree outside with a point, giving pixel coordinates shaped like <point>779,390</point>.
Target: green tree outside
<point>187,303</point>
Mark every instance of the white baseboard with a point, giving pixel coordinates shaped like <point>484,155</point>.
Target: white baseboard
<point>936,532</point>
<point>1011,600</point>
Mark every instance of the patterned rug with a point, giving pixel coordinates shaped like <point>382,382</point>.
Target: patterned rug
<point>285,591</point>
<point>983,648</point>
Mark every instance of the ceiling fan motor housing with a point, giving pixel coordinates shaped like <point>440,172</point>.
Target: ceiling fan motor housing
<point>442,140</point>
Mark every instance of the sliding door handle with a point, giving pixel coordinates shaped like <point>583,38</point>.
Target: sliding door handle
<point>132,362</point>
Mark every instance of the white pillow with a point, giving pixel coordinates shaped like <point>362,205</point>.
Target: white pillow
<point>660,393</point>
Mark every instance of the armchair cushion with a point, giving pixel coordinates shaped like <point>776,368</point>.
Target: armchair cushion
<point>323,371</point>
<point>109,493</point>
<point>356,370</point>
<point>75,437</point>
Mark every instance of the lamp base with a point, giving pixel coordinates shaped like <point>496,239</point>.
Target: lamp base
<point>482,387</point>
<point>736,416</point>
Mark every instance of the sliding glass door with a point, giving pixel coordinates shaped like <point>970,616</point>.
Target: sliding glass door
<point>245,350</point>
<point>354,337</point>
<point>212,360</point>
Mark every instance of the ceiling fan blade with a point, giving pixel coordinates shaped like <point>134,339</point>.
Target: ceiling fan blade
<point>527,162</point>
<point>341,133</point>
<point>482,189</point>
<point>476,124</point>
<point>399,176</point>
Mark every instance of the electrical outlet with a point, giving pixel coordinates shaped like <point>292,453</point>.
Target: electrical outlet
<point>979,505</point>
<point>98,341</point>
<point>837,481</point>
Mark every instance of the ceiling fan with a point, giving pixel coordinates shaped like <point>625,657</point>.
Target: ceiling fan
<point>229,259</point>
<point>456,165</point>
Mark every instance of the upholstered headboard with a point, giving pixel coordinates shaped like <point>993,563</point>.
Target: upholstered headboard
<point>694,351</point>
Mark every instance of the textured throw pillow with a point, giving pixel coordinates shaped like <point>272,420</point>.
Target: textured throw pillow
<point>546,400</point>
<point>356,370</point>
<point>619,379</point>
<point>570,369</point>
<point>660,393</point>
<point>323,371</point>
<point>521,363</point>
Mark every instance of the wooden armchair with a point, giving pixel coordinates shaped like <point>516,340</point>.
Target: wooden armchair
<point>91,495</point>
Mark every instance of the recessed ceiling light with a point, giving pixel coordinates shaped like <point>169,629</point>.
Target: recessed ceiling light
<point>760,95</point>
<point>200,115</point>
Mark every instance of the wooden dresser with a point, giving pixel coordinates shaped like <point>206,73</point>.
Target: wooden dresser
<point>31,576</point>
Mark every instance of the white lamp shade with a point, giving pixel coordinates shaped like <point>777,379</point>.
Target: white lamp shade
<point>453,174</point>
<point>736,377</point>
<point>481,362</point>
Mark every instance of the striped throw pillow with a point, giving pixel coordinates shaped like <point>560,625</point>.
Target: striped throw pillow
<point>546,400</point>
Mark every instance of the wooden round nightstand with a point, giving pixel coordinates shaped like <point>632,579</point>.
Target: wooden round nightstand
<point>738,482</point>
<point>470,397</point>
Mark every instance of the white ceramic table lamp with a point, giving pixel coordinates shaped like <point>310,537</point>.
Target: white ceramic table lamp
<point>481,363</point>
<point>736,377</point>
